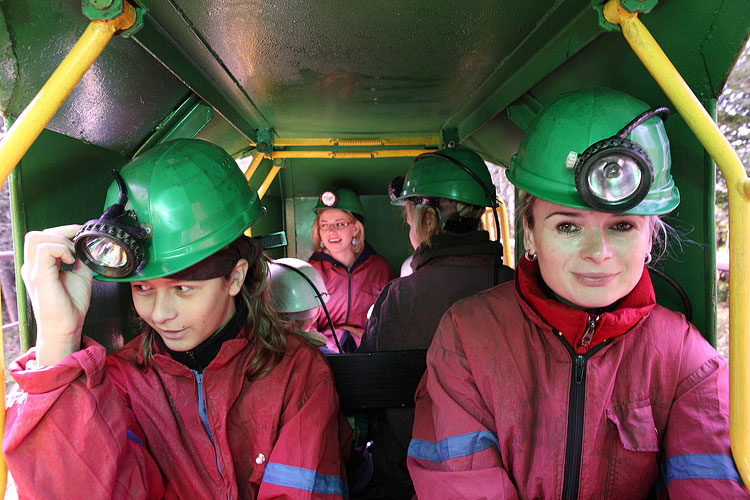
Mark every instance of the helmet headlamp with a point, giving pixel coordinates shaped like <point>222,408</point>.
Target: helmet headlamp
<point>329,199</point>
<point>616,174</point>
<point>111,244</point>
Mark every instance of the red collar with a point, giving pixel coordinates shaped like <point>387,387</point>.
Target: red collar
<point>572,322</point>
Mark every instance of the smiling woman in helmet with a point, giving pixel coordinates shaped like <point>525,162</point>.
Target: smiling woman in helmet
<point>353,273</point>
<point>213,397</point>
<point>571,381</point>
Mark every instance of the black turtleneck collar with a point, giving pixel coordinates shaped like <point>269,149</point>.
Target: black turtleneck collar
<point>200,356</point>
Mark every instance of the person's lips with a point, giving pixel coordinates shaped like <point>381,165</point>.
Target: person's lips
<point>594,279</point>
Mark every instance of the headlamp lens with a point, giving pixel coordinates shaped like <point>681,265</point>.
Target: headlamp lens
<point>106,252</point>
<point>614,178</point>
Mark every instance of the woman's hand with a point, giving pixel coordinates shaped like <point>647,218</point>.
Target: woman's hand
<point>60,298</point>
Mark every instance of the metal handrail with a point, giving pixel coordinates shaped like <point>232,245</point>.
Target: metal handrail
<point>738,189</point>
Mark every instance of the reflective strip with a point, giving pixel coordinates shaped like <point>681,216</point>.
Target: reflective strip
<point>452,447</point>
<point>701,466</point>
<point>133,437</point>
<point>304,479</point>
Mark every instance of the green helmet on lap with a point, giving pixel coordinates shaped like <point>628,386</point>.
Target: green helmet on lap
<point>598,149</point>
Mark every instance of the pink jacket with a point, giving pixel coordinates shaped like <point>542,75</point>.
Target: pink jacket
<point>352,290</point>
<point>97,427</point>
<point>509,410</point>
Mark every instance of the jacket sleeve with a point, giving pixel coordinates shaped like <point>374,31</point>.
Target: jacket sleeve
<point>68,431</point>
<point>454,449</point>
<point>698,458</point>
<point>306,460</point>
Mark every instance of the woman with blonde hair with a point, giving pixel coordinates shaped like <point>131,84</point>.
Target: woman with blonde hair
<point>353,273</point>
<point>445,194</point>
<point>571,381</point>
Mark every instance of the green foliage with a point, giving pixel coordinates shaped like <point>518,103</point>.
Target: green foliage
<point>733,117</point>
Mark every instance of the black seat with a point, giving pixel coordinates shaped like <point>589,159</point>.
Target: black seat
<point>369,381</point>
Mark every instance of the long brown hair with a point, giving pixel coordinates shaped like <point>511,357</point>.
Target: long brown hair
<point>264,329</point>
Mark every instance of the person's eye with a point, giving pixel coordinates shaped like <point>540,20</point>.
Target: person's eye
<point>566,228</point>
<point>140,288</point>
<point>323,227</point>
<point>184,288</point>
<point>341,225</point>
<point>622,227</point>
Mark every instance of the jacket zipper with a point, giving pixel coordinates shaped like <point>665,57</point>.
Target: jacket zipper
<point>203,414</point>
<point>589,333</point>
<point>576,406</point>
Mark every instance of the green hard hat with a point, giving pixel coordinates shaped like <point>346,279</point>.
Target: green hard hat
<point>438,175</point>
<point>194,200</point>
<point>564,134</point>
<point>291,292</point>
<point>341,198</point>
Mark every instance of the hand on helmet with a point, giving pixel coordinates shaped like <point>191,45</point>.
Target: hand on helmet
<point>60,298</point>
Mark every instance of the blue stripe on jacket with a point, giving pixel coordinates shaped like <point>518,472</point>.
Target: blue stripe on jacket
<point>452,447</point>
<point>304,479</point>
<point>700,466</point>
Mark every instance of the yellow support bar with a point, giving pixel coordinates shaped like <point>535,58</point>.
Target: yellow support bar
<point>391,153</point>
<point>257,158</point>
<point>505,229</point>
<point>40,111</point>
<point>738,187</point>
<point>267,181</point>
<point>354,141</point>
<point>45,104</point>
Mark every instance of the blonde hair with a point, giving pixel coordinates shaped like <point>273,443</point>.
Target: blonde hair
<point>425,219</point>
<point>315,233</point>
<point>263,328</point>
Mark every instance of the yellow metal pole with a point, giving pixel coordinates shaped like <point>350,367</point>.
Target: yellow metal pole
<point>738,187</point>
<point>505,229</point>
<point>268,180</point>
<point>45,104</point>
<point>38,113</point>
<point>253,165</point>
<point>364,141</point>
<point>391,153</point>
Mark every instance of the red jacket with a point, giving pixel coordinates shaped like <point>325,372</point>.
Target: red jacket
<point>352,290</point>
<point>97,427</point>
<point>508,410</point>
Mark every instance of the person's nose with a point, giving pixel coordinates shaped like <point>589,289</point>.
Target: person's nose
<point>595,245</point>
<point>164,307</point>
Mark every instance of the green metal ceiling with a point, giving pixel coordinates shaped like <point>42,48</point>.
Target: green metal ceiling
<point>338,68</point>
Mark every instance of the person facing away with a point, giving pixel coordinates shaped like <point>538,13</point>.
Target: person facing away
<point>297,295</point>
<point>571,381</point>
<point>453,258</point>
<point>353,273</point>
<point>213,398</point>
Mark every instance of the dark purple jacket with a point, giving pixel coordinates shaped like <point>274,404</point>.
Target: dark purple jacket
<point>406,315</point>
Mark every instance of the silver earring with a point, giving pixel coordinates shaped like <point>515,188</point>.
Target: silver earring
<point>354,241</point>
<point>648,258</point>
<point>322,245</point>
<point>530,256</point>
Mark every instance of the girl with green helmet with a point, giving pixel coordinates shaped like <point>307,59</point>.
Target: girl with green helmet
<point>453,259</point>
<point>571,381</point>
<point>214,397</point>
<point>352,272</point>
